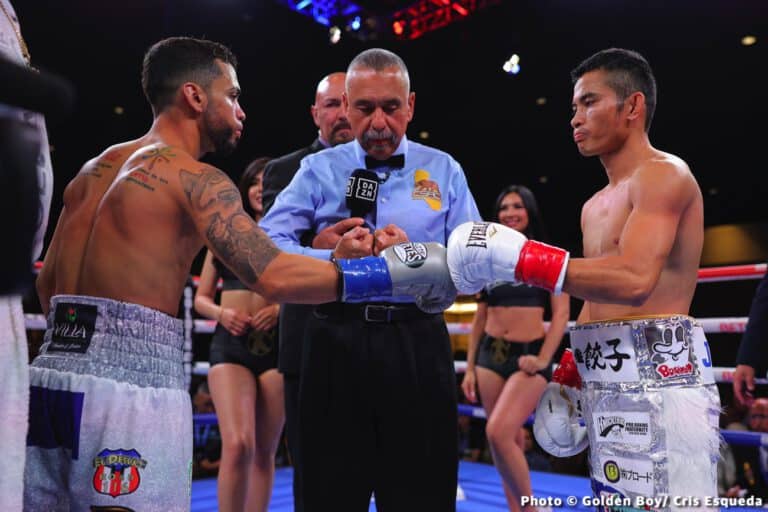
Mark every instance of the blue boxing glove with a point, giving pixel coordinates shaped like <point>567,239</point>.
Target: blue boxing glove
<point>404,270</point>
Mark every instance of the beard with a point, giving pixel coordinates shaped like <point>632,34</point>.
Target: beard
<point>220,134</point>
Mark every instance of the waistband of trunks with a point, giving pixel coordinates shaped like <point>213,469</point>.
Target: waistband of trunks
<point>652,351</point>
<point>112,339</point>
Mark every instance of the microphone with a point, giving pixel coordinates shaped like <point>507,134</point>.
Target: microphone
<point>362,189</point>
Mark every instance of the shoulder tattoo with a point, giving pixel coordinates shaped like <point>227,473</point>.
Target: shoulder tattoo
<point>231,233</point>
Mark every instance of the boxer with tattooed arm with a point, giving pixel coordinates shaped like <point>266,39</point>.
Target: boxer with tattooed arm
<point>111,369</point>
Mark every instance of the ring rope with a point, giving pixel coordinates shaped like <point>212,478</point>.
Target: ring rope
<point>202,326</point>
<point>706,274</point>
<point>734,437</point>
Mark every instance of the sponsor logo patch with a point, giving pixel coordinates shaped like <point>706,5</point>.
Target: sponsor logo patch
<point>117,472</point>
<point>605,355</point>
<point>480,233</point>
<point>73,326</point>
<point>426,190</point>
<point>634,475</point>
<point>611,471</point>
<point>362,188</point>
<point>623,427</point>
<point>670,350</point>
<point>413,254</point>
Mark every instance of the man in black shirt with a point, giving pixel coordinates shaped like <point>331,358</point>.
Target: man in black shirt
<point>333,129</point>
<point>752,357</point>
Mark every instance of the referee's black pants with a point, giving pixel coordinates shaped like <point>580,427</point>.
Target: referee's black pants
<point>377,412</point>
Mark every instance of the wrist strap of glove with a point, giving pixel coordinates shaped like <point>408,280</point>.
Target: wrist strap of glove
<point>363,278</point>
<point>339,279</point>
<point>542,265</point>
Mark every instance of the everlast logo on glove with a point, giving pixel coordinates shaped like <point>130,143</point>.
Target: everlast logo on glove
<point>73,326</point>
<point>481,232</point>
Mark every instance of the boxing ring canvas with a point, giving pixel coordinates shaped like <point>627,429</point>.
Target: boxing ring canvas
<point>480,484</point>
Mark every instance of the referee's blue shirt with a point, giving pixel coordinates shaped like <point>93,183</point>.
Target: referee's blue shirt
<point>428,198</point>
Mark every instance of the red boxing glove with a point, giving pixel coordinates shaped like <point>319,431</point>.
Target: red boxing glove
<point>542,265</point>
<point>566,372</point>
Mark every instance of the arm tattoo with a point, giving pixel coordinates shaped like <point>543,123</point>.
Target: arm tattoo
<point>229,231</point>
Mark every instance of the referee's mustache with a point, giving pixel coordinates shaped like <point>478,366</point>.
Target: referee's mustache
<point>379,136</point>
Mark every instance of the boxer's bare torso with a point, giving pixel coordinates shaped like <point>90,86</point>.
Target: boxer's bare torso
<point>61,268</point>
<point>652,219</point>
<point>151,225</point>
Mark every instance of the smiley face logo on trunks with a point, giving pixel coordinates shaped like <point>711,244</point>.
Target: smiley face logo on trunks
<point>672,343</point>
<point>670,350</point>
<point>261,343</point>
<point>499,350</point>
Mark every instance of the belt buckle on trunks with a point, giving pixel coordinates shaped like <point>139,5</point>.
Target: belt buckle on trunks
<point>377,313</point>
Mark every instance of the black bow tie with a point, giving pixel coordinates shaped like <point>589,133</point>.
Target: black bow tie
<point>394,162</point>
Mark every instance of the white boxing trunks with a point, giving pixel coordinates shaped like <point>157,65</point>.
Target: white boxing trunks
<point>651,409</point>
<point>110,418</point>
<point>15,405</point>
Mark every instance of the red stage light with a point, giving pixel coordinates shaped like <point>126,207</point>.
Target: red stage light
<point>459,9</point>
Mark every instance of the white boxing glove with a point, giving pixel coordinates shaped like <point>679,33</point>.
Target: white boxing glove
<point>484,252</point>
<point>558,423</point>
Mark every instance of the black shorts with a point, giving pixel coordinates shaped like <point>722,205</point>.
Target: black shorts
<point>256,350</point>
<point>500,355</point>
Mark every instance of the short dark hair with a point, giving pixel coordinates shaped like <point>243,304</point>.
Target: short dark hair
<point>246,180</point>
<point>536,229</point>
<point>379,59</point>
<point>628,72</point>
<point>171,62</point>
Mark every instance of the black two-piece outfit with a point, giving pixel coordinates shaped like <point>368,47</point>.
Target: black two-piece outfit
<point>500,355</point>
<point>256,350</point>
